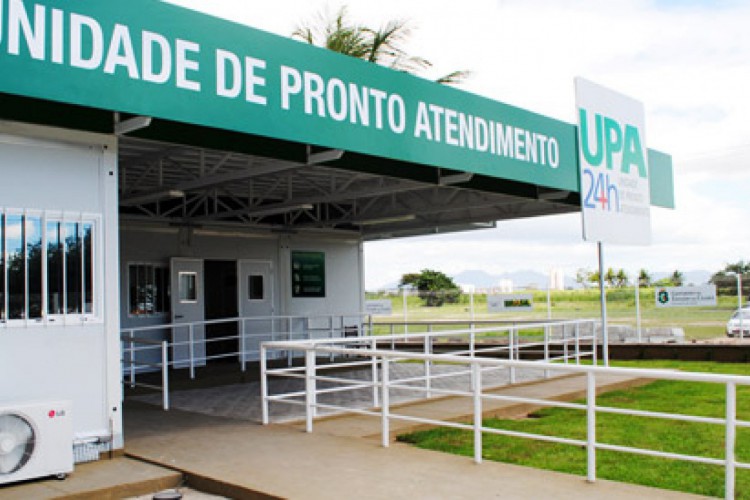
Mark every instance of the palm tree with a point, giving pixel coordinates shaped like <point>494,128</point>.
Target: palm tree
<point>382,46</point>
<point>677,278</point>
<point>644,279</point>
<point>622,278</point>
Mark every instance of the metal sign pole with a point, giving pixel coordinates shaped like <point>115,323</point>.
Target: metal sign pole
<point>603,298</point>
<point>638,307</point>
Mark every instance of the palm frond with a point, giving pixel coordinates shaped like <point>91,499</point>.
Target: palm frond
<point>454,78</point>
<point>384,46</point>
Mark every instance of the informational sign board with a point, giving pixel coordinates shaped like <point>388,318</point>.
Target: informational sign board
<point>379,307</point>
<point>614,169</point>
<point>510,302</point>
<point>686,296</point>
<point>308,274</point>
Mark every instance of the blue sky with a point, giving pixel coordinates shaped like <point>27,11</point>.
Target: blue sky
<point>688,61</point>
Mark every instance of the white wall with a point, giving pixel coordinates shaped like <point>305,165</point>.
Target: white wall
<point>344,277</point>
<point>157,244</point>
<point>63,171</point>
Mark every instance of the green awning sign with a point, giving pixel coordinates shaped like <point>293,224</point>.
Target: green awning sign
<point>150,58</point>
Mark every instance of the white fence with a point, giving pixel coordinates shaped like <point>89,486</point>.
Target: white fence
<point>374,354</point>
<point>142,354</point>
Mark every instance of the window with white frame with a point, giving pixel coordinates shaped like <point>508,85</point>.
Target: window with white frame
<point>148,289</point>
<point>47,266</point>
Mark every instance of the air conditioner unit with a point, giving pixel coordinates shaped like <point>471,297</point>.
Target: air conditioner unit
<point>36,440</point>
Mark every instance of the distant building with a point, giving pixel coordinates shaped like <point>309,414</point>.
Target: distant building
<point>505,286</point>
<point>556,279</point>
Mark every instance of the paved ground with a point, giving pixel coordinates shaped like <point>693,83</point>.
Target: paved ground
<point>236,458</point>
<point>242,401</point>
<point>240,459</point>
<point>105,479</point>
<point>186,494</point>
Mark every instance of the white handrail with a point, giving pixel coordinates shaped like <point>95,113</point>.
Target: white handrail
<point>135,343</point>
<point>385,357</point>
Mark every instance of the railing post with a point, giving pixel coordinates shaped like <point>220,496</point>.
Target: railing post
<point>590,427</point>
<point>386,400</point>
<point>331,334</point>
<point>374,364</point>
<point>309,388</point>
<point>428,363</point>
<point>165,374</point>
<point>406,315</point>
<point>370,325</point>
<point>132,359</point>
<point>594,353</point>
<point>476,378</point>
<point>191,350</point>
<point>578,343</point>
<point>565,344</point>
<point>243,361</point>
<point>730,437</point>
<point>289,354</point>
<point>511,355</point>
<point>263,385</point>
<point>472,341</point>
<point>546,349</point>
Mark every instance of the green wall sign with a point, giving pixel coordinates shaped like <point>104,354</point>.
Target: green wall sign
<point>151,58</point>
<point>308,274</point>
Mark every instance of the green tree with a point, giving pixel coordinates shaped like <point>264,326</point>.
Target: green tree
<point>611,277</point>
<point>726,279</point>
<point>433,287</point>
<point>384,46</point>
<point>594,277</point>
<point>677,278</point>
<point>644,278</point>
<point>622,278</point>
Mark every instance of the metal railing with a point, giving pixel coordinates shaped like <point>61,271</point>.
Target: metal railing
<point>381,360</point>
<point>141,354</point>
<point>136,345</point>
<point>575,341</point>
<point>183,345</point>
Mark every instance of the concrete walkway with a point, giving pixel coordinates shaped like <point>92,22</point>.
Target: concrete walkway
<point>102,480</point>
<point>241,459</point>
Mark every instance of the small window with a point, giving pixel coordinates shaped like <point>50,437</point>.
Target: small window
<point>55,269</point>
<point>255,287</point>
<point>188,288</point>
<point>73,276</point>
<point>14,238</point>
<point>46,267</point>
<point>148,290</point>
<point>34,266</point>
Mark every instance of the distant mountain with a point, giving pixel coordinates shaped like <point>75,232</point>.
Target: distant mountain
<point>480,279</point>
<point>534,279</point>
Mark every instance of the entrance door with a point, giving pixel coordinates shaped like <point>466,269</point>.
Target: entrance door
<point>221,302</point>
<point>187,307</point>
<point>256,296</point>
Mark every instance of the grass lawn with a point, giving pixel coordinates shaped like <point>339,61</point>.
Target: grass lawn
<point>664,435</point>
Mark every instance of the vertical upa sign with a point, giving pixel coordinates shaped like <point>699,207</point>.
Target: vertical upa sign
<point>615,194</point>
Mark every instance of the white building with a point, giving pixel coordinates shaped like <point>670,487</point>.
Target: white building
<point>162,168</point>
